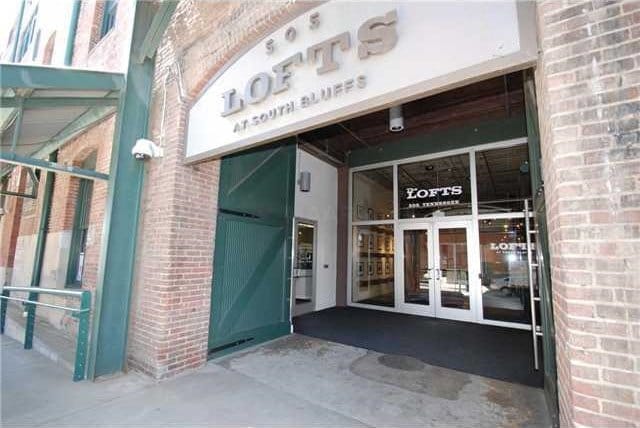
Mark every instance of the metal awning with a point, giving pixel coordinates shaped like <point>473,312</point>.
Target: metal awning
<point>41,108</point>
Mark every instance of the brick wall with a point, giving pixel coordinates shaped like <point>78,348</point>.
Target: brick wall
<point>170,307</point>
<point>10,224</point>
<point>109,53</point>
<point>588,81</point>
<point>25,220</point>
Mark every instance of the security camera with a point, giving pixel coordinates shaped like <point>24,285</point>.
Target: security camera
<point>146,149</point>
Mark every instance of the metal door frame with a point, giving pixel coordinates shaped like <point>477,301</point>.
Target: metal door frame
<point>434,308</point>
<point>292,297</point>
<point>473,261</point>
<point>400,305</point>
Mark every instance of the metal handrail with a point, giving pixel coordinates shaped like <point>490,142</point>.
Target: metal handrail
<point>64,308</point>
<point>81,313</point>
<point>532,301</point>
<point>55,291</point>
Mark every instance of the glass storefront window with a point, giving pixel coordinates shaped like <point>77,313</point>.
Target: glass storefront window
<point>373,194</point>
<point>437,187</point>
<point>503,179</point>
<point>372,272</point>
<point>504,278</point>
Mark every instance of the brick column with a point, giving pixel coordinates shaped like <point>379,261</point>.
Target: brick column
<point>588,82</point>
<point>171,298</point>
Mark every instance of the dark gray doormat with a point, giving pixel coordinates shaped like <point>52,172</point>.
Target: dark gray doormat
<point>495,352</point>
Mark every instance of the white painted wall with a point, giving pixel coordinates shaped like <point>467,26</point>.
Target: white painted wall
<point>321,205</point>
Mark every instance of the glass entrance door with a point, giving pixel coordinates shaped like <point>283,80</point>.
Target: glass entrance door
<point>415,290</point>
<point>434,267</point>
<point>451,261</point>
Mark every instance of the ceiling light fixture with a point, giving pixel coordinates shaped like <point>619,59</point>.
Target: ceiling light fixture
<point>396,120</point>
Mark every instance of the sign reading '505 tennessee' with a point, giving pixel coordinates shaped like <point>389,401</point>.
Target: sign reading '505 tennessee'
<point>346,58</point>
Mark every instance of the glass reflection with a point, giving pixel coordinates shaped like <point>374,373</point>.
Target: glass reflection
<point>372,270</point>
<point>418,275</point>
<point>504,279</point>
<point>503,179</point>
<point>453,271</point>
<point>373,195</point>
<point>437,187</point>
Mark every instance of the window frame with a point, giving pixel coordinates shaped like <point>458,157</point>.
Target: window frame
<point>108,17</point>
<point>80,229</point>
<point>26,36</point>
<point>79,233</point>
<point>396,222</point>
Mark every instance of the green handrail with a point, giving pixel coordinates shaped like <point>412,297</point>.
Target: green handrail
<point>81,313</point>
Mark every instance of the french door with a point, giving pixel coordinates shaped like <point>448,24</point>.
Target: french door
<point>433,264</point>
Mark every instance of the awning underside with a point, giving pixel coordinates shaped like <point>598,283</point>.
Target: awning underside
<point>42,108</point>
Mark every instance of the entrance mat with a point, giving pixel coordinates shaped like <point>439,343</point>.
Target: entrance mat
<point>496,352</point>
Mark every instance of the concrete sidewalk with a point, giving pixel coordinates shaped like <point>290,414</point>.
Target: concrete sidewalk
<point>295,381</point>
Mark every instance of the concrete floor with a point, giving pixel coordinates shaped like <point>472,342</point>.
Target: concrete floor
<point>294,381</point>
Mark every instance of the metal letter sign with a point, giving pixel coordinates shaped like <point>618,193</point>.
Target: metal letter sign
<point>346,58</point>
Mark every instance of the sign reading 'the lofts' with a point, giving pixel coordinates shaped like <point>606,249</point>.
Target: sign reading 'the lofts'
<point>345,58</point>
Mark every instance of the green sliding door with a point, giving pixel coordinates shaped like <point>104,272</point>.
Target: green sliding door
<point>250,300</point>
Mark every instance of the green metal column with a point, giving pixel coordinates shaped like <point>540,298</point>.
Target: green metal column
<point>82,342</point>
<point>71,35</point>
<point>113,292</point>
<point>41,241</point>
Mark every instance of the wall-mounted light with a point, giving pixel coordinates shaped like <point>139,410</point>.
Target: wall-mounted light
<point>304,181</point>
<point>396,120</point>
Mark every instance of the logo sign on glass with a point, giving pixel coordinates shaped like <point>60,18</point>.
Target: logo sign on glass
<point>417,198</point>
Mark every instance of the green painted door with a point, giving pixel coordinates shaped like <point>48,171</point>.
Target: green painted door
<point>250,300</point>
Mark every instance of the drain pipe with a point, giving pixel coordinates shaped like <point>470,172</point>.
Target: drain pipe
<point>71,35</point>
<point>41,240</point>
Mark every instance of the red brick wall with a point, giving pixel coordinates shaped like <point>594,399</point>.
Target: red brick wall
<point>26,218</point>
<point>97,140</point>
<point>10,222</point>
<point>170,308</point>
<point>588,82</point>
<point>109,53</point>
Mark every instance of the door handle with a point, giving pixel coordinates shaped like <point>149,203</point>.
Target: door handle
<point>437,271</point>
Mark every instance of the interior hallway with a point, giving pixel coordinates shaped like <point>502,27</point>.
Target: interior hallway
<point>294,381</point>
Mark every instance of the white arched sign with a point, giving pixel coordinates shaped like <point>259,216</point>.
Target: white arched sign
<point>342,59</point>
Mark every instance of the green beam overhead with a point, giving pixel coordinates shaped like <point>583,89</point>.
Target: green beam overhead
<point>34,187</point>
<point>38,77</point>
<point>115,275</point>
<point>18,125</point>
<point>14,159</point>
<point>31,195</point>
<point>89,118</point>
<point>79,125</point>
<point>46,102</point>
<point>151,41</point>
<point>467,135</point>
